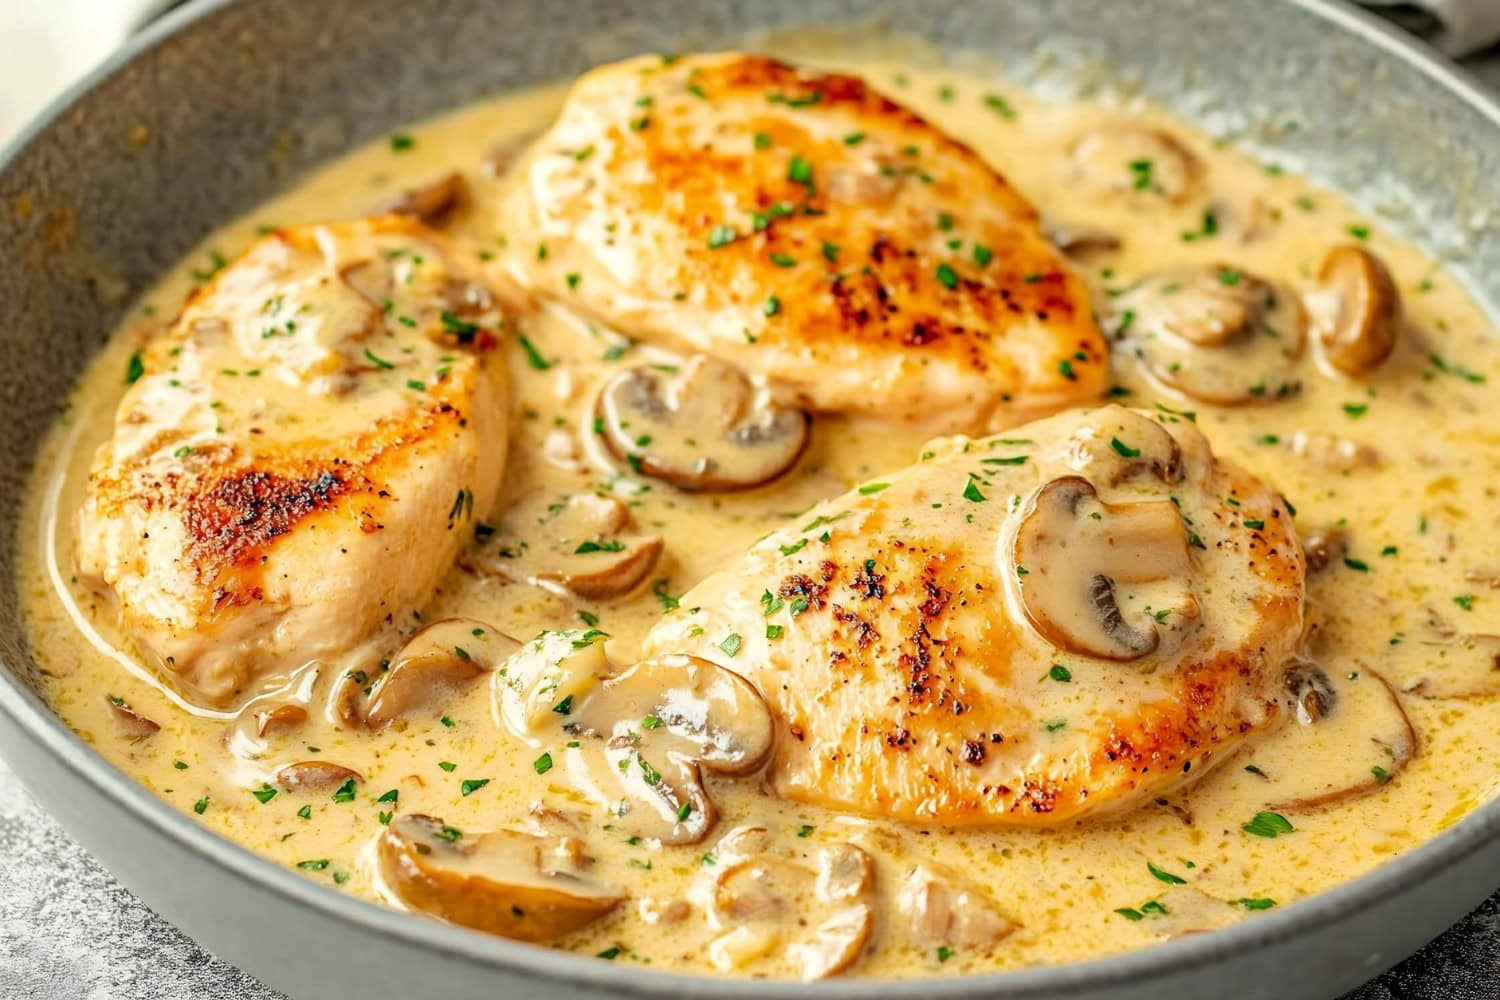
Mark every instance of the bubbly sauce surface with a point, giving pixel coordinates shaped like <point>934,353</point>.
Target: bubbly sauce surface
<point>1391,476</point>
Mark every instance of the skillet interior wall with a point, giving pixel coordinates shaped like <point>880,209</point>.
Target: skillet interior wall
<point>158,152</point>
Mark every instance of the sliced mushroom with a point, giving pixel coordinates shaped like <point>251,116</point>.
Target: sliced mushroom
<point>1236,222</point>
<point>314,775</point>
<point>1080,240</point>
<point>1122,445</point>
<point>432,202</point>
<point>787,918</point>
<point>1463,668</point>
<point>434,667</point>
<point>1130,158</point>
<point>1360,314</point>
<point>1313,694</point>
<point>705,428</point>
<point>512,884</point>
<point>499,160</point>
<point>660,723</point>
<point>1102,580</point>
<point>1333,453</point>
<point>1215,333</point>
<point>942,909</point>
<point>131,722</point>
<point>371,279</point>
<point>541,685</point>
<point>279,719</point>
<point>578,542</point>
<point>1185,910</point>
<point>1357,739</point>
<point>1324,547</point>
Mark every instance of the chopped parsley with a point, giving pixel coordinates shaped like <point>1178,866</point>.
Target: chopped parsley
<point>533,356</point>
<point>1269,825</point>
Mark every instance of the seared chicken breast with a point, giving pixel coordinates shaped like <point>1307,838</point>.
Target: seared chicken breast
<point>299,457</point>
<point>808,230</point>
<point>1017,630</point>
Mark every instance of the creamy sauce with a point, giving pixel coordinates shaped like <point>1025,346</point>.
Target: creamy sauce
<point>1415,575</point>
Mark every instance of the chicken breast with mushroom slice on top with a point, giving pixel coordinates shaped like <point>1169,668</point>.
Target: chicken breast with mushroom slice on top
<point>302,456</point>
<point>808,230</point>
<point>1017,630</point>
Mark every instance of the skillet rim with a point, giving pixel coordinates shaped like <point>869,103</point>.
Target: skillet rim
<point>25,710</point>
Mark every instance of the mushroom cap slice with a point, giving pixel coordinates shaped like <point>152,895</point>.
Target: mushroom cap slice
<point>576,542</point>
<point>696,709</point>
<point>705,428</point>
<point>658,724</point>
<point>1098,579</point>
<point>516,885</point>
<point>1080,240</point>
<point>1130,158</point>
<point>434,667</point>
<point>314,775</point>
<point>1214,333</point>
<point>1126,447</point>
<point>434,201</point>
<point>1357,738</point>
<point>1464,668</point>
<point>1333,453</point>
<point>1358,329</point>
<point>1324,546</point>
<point>539,687</point>
<point>131,722</point>
<point>813,923</point>
<point>941,908</point>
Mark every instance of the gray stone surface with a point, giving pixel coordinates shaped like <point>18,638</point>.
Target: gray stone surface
<point>69,931</point>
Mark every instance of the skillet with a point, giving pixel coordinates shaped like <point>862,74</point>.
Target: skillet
<point>238,97</point>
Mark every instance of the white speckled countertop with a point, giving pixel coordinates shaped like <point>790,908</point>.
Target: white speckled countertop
<point>69,931</point>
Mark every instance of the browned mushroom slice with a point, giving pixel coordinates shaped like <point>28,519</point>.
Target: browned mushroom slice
<point>314,775</point>
<point>1080,241</point>
<point>1134,159</point>
<point>1313,694</point>
<point>1358,310</point>
<point>1333,453</point>
<point>1354,730</point>
<point>1184,910</point>
<point>513,884</point>
<point>434,667</point>
<point>942,910</point>
<point>281,718</point>
<point>1463,668</point>
<point>432,202</point>
<point>1235,222</point>
<point>789,919</point>
<point>660,723</point>
<point>538,688</point>
<point>1215,333</point>
<point>131,722</point>
<point>1122,445</point>
<point>578,542</point>
<point>1098,579</point>
<point>1324,547</point>
<point>703,428</point>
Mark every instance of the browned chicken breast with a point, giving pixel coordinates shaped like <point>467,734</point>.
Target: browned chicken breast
<point>300,457</point>
<point>1016,630</point>
<point>809,230</point>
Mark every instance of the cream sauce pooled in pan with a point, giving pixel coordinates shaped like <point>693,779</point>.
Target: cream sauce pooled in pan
<point>725,810</point>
